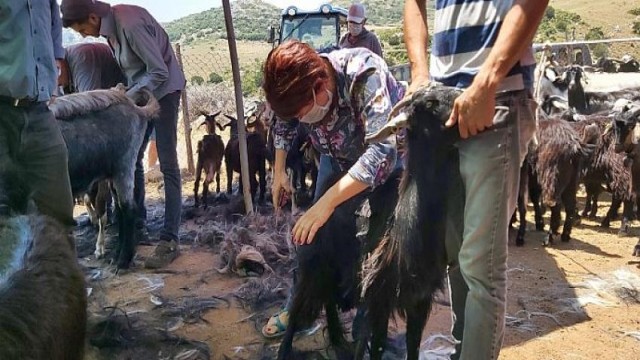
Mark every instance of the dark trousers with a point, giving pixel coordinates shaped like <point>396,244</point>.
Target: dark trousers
<point>166,128</point>
<point>30,138</point>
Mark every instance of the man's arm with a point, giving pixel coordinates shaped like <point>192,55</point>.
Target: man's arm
<point>416,37</point>
<point>144,45</point>
<point>516,34</point>
<point>475,108</point>
<point>56,31</point>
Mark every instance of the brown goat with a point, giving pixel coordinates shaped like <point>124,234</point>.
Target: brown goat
<point>256,150</point>
<point>558,161</point>
<point>210,152</point>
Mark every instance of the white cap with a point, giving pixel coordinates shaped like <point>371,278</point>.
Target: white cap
<point>356,13</point>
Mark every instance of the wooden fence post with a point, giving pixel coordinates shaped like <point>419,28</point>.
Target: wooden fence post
<point>185,117</point>
<point>237,84</point>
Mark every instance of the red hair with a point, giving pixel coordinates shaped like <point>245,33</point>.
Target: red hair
<point>291,72</point>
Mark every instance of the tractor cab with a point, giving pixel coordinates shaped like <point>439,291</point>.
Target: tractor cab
<point>321,28</point>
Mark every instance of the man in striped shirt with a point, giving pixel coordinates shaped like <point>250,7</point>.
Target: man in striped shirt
<point>483,47</point>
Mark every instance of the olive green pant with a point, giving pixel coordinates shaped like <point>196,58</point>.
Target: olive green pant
<point>31,139</point>
<point>481,200</point>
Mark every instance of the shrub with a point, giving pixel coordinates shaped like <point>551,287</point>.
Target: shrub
<point>197,80</point>
<point>635,11</point>
<point>636,27</point>
<point>215,78</point>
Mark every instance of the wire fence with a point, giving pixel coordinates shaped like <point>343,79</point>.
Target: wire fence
<point>209,89</point>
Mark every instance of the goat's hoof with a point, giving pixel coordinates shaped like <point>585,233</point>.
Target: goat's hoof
<point>548,240</point>
<point>605,224</point>
<point>565,237</point>
<point>636,250</point>
<point>540,226</point>
<point>519,241</point>
<point>99,253</point>
<point>624,231</point>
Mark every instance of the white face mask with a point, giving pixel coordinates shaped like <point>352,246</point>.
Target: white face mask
<point>355,29</point>
<point>317,112</point>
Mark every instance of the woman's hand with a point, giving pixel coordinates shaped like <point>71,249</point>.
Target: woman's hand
<point>279,186</point>
<point>308,225</point>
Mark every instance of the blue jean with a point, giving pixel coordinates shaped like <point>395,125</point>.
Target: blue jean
<point>166,130</point>
<point>481,201</point>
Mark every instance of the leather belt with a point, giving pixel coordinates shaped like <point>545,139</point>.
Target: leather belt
<point>24,102</point>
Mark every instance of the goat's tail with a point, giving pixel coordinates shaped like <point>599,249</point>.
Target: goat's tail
<point>380,274</point>
<point>149,107</point>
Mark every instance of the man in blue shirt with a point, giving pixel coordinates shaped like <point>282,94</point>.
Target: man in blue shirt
<point>31,37</point>
<point>483,47</point>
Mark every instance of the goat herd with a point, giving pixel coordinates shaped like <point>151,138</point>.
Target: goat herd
<point>582,137</point>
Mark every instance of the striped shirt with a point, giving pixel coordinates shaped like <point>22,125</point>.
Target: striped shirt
<point>464,34</point>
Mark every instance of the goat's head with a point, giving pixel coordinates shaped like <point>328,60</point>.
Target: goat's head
<point>574,76</point>
<point>625,126</point>
<point>210,122</point>
<point>435,99</point>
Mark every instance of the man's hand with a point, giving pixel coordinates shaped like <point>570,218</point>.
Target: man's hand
<point>473,110</point>
<point>417,82</point>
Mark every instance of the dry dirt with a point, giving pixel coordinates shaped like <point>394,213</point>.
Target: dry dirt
<point>546,289</point>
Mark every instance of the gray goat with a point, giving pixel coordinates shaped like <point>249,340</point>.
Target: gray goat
<point>104,130</point>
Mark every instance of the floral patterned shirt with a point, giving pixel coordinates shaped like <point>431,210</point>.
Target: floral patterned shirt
<point>366,93</point>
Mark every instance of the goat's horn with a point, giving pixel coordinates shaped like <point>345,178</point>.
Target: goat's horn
<point>392,127</point>
<point>400,106</point>
<point>607,129</point>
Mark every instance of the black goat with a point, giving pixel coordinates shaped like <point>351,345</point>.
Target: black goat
<point>409,265</point>
<point>256,150</point>
<point>328,268</point>
<point>627,136</point>
<point>528,183</point>
<point>104,130</point>
<point>605,167</point>
<point>43,304</point>
<point>210,153</point>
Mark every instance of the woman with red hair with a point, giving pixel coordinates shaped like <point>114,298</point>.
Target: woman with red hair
<point>341,97</point>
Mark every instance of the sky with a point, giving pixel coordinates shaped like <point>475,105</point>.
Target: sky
<point>168,10</point>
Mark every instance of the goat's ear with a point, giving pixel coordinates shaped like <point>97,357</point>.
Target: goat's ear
<point>559,103</point>
<point>230,117</point>
<point>392,127</point>
<point>635,137</point>
<point>220,126</point>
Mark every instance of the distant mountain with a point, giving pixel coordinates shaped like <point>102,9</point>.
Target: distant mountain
<point>251,18</point>
<point>250,21</point>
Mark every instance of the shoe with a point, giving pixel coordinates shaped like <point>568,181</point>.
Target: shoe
<point>277,325</point>
<point>164,253</point>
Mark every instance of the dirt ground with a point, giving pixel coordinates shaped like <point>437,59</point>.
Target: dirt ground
<point>576,300</point>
